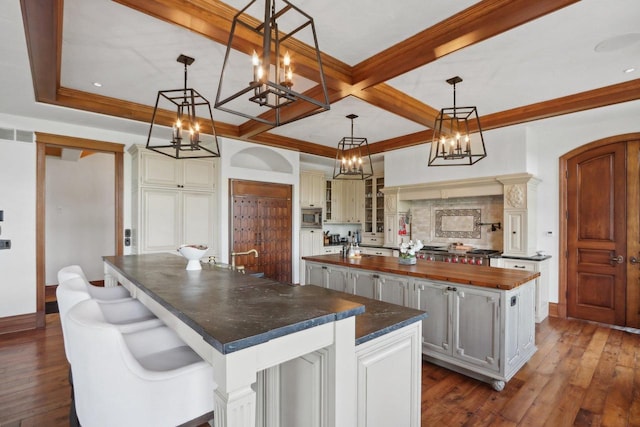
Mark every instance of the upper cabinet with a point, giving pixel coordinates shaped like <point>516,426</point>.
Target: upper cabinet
<point>312,189</point>
<point>373,226</point>
<point>173,202</point>
<point>345,201</point>
<point>162,171</point>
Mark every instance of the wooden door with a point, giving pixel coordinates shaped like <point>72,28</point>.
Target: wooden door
<point>261,215</point>
<point>633,233</point>
<point>596,234</point>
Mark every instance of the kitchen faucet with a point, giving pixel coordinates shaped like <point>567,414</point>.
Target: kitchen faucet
<point>233,256</point>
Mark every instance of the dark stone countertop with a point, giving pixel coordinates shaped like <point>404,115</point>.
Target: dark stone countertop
<point>233,311</point>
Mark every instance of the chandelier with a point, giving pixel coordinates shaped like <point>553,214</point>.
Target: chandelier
<point>269,96</point>
<point>353,160</point>
<point>457,135</point>
<point>184,109</point>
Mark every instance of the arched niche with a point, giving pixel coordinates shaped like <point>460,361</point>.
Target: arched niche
<point>260,158</point>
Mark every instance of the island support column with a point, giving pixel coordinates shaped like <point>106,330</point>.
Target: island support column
<point>342,375</point>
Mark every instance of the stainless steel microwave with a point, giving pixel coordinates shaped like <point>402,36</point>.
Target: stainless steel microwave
<point>311,218</point>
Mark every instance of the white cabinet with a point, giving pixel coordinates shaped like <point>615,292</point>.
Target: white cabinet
<point>365,283</point>
<point>389,379</point>
<point>541,283</point>
<point>312,189</point>
<point>311,243</point>
<point>395,289</point>
<point>465,322</point>
<point>373,222</point>
<point>395,211</point>
<point>469,328</point>
<point>327,250</point>
<point>520,196</point>
<point>328,276</point>
<point>347,202</point>
<point>173,202</point>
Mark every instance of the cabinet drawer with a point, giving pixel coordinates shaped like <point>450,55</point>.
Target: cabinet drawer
<point>519,264</point>
<point>372,239</point>
<point>332,249</point>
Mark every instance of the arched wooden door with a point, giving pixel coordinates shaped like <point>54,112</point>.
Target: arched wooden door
<point>602,241</point>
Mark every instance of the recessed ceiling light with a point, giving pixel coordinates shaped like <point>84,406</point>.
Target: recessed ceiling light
<point>629,70</point>
<point>97,84</point>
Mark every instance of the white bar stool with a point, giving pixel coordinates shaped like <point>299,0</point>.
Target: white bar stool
<point>144,378</point>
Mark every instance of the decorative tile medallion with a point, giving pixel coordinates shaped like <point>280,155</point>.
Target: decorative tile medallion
<point>458,223</point>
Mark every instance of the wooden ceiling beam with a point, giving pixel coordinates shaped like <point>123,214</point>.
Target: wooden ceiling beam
<point>479,22</point>
<point>399,103</point>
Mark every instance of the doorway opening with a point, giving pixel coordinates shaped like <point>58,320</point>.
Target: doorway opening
<point>49,144</point>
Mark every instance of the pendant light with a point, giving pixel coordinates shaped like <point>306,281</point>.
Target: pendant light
<point>457,135</point>
<point>271,68</point>
<point>353,160</point>
<point>192,133</point>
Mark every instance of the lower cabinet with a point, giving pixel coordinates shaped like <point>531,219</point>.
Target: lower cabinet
<point>485,333</point>
<point>388,378</point>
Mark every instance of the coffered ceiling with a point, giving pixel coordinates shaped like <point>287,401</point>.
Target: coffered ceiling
<point>387,62</point>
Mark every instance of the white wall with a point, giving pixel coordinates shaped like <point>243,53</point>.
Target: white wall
<point>17,200</point>
<point>80,214</point>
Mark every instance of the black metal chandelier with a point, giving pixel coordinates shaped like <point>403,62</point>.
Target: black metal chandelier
<point>193,132</point>
<point>353,160</point>
<point>457,135</point>
<point>269,96</point>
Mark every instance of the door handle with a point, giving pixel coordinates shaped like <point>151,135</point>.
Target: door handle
<point>617,259</point>
<point>633,260</point>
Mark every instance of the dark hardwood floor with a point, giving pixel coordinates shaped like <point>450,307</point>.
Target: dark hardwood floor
<point>583,374</point>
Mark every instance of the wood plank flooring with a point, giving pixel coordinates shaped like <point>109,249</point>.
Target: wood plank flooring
<point>583,374</point>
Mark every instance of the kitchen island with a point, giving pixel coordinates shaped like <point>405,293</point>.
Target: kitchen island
<point>481,320</point>
<point>262,336</point>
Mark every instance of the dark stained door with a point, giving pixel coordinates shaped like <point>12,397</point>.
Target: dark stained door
<point>261,219</point>
<point>633,233</point>
<point>596,235</point>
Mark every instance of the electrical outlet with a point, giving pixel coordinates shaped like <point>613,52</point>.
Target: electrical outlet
<point>5,244</point>
<point>127,241</point>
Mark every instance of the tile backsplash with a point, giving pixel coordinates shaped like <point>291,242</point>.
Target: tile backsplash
<point>445,221</point>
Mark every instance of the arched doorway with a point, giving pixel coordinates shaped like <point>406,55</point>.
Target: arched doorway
<point>600,231</point>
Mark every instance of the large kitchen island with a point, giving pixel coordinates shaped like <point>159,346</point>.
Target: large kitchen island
<point>285,355</point>
<point>480,320</point>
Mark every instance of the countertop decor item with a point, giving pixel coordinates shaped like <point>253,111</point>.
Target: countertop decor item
<point>193,253</point>
<point>408,252</point>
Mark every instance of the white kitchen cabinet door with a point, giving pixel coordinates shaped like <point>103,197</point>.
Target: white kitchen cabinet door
<point>391,230</point>
<point>365,283</point>
<point>394,289</point>
<point>337,204</point>
<point>161,220</point>
<point>312,187</point>
<point>437,329</point>
<point>315,274</point>
<point>515,232</point>
<point>198,218</point>
<point>338,279</point>
<point>352,201</point>
<point>311,242</point>
<point>520,335</point>
<point>160,170</point>
<point>477,327</point>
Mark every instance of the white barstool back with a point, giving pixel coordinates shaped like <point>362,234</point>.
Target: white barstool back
<point>144,378</point>
<point>97,292</point>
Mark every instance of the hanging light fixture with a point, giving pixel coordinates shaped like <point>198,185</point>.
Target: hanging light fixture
<point>188,112</point>
<point>271,69</point>
<point>353,160</point>
<point>457,135</point>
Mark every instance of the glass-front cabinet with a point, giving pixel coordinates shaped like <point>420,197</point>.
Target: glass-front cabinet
<point>373,210</point>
